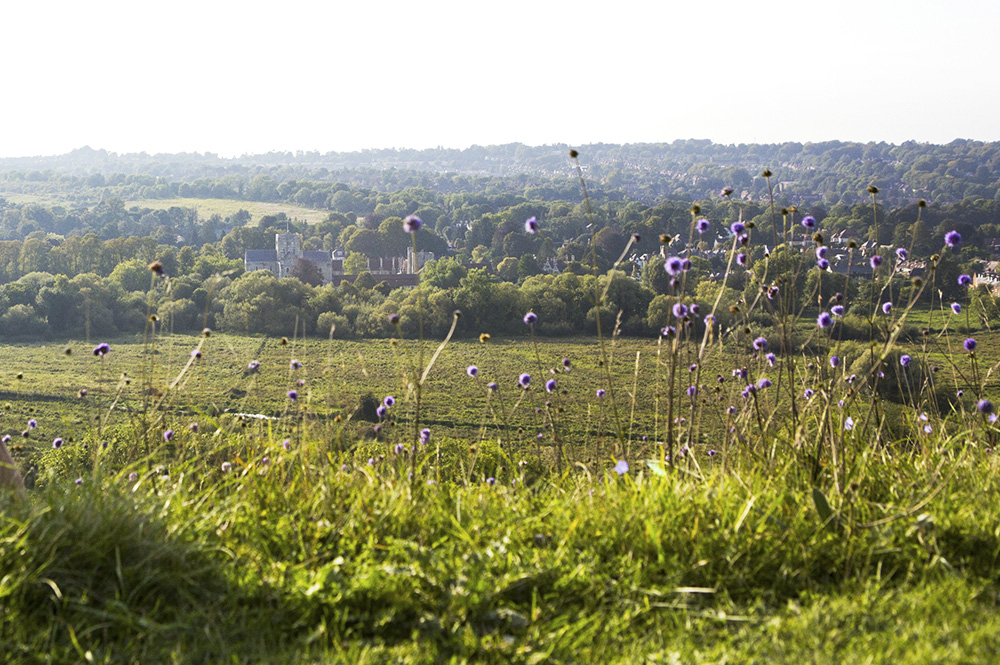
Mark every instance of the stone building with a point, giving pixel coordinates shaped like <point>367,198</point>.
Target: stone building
<point>286,253</point>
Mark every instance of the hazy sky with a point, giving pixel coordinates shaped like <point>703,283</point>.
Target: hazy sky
<point>247,77</point>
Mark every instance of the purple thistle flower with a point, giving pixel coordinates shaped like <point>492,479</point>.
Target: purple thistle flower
<point>668,331</point>
<point>226,467</point>
<point>102,349</point>
<point>550,385</point>
<point>771,359</point>
<point>969,344</point>
<point>848,423</point>
<point>168,435</point>
<point>886,307</point>
<point>964,280</point>
<point>694,308</point>
<point>824,320</point>
<point>772,292</point>
<point>389,401</point>
<point>763,383</point>
<point>425,436</point>
<point>701,225</point>
<point>741,259</point>
<point>692,391</point>
<point>394,319</point>
<point>530,318</point>
<point>398,448</point>
<point>193,427</point>
<point>292,395</point>
<point>837,310</point>
<point>253,365</point>
<point>57,443</point>
<point>809,393</point>
<point>286,444</point>
<point>32,424</point>
<point>822,264</point>
<point>834,362</point>
<point>295,364</point>
<point>952,238</point>
<point>901,253</point>
<point>760,343</point>
<point>600,393</point>
<point>956,308</point>
<point>491,481</point>
<point>381,411</point>
<point>195,353</point>
<point>621,467</point>
<point>524,380</point>
<point>566,363</point>
<point>984,406</point>
<point>905,360</point>
<point>680,310</point>
<point>472,371</point>
<point>737,228</point>
<point>875,262</point>
<point>132,477</point>
<point>5,439</point>
<point>531,225</point>
<point>493,386</point>
<point>412,224</point>
<point>674,265</point>
<point>821,252</point>
<point>808,222</point>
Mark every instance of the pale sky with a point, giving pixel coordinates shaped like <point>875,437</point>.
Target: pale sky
<point>250,77</point>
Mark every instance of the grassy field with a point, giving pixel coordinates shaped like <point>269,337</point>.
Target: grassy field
<point>311,537</point>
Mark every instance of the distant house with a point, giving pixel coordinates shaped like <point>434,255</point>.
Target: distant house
<point>286,253</point>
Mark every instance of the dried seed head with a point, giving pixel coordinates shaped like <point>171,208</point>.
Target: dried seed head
<point>695,209</point>
<point>872,189</point>
<point>921,203</point>
<point>851,244</point>
<point>156,267</point>
<point>766,173</point>
<point>818,238</point>
<point>573,154</point>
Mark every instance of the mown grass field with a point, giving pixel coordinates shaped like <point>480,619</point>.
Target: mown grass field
<point>228,207</point>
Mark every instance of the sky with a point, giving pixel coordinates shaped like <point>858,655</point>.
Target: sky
<point>248,77</point>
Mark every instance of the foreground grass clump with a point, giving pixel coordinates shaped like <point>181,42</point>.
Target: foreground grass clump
<point>313,556</point>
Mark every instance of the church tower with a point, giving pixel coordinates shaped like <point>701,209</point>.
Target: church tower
<point>289,249</point>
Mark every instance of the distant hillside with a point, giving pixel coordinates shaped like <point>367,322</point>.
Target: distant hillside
<point>828,173</point>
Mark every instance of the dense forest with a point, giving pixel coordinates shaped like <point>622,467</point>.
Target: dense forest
<point>74,252</point>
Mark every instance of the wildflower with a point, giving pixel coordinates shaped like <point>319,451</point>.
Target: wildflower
<point>550,385</point>
<point>905,360</point>
<point>741,259</point>
<point>875,262</point>
<point>760,343</point>
<point>952,238</point>
<point>472,371</point>
<point>394,319</point>
<point>808,222</point>
<point>821,252</point>
<point>731,410</point>
<point>956,308</point>
<point>5,439</point>
<point>600,393</point>
<point>771,359</point>
<point>621,467</point>
<point>694,309</point>
<point>295,364</point>
<point>886,307</point>
<point>132,477</point>
<point>674,265</point>
<point>226,467</point>
<point>901,253</point>
<point>772,293</point>
<point>540,436</point>
<point>566,364</point>
<point>984,406</point>
<point>193,427</point>
<point>300,383</point>
<point>531,225</point>
<point>293,395</point>
<point>969,344</point>
<point>490,481</point>
<point>492,385</point>
<point>377,429</point>
<point>57,443</point>
<point>635,237</point>
<point>286,444</point>
<point>398,448</point>
<point>253,365</point>
<point>668,331</point>
<point>680,310</point>
<point>389,401</point>
<point>530,318</point>
<point>726,191</point>
<point>964,280</point>
<point>737,228</point>
<point>834,362</point>
<point>824,320</point>
<point>380,411</point>
<point>524,380</point>
<point>701,225</point>
<point>32,424</point>
<point>196,354</point>
<point>168,435</point>
<point>959,393</point>
<point>848,423</point>
<point>822,264</point>
<point>692,367</point>
<point>425,436</point>
<point>102,349</point>
<point>809,393</point>
<point>692,391</point>
<point>412,224</point>
<point>837,310</point>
